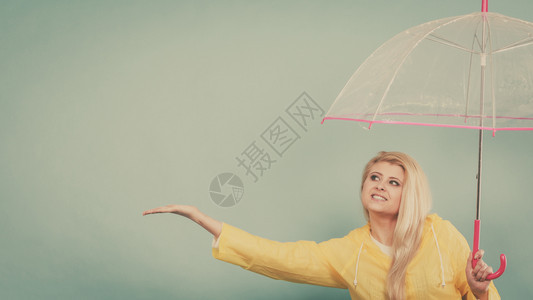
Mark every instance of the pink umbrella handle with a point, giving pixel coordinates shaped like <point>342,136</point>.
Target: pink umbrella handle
<point>484,5</point>
<point>503,259</point>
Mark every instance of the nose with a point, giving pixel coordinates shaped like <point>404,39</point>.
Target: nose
<point>380,186</point>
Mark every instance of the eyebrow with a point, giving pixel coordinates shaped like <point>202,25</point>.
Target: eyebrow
<point>392,177</point>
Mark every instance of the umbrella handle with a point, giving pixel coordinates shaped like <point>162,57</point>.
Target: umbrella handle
<point>503,259</point>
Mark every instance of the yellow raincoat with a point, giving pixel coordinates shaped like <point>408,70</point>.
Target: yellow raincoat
<point>355,262</point>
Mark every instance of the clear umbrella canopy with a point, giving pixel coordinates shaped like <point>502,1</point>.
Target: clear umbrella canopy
<point>471,71</point>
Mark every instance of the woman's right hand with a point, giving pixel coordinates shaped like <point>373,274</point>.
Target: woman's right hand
<point>187,211</point>
<point>191,212</point>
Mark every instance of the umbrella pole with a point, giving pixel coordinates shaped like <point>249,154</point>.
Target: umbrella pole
<point>483,63</point>
<point>503,260</point>
<point>484,8</point>
<point>477,221</point>
<point>479,169</point>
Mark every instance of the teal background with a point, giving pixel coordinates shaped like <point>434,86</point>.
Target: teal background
<point>109,108</point>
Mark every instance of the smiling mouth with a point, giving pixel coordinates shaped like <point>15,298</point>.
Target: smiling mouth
<point>378,197</point>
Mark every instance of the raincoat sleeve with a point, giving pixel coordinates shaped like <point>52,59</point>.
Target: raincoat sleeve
<point>461,256</point>
<point>302,262</point>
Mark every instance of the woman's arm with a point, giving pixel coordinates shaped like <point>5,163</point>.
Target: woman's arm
<point>302,261</point>
<point>190,212</point>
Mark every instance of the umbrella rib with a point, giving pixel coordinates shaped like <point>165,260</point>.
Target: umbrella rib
<point>403,61</point>
<point>450,43</point>
<point>522,43</point>
<point>476,38</point>
<point>469,78</point>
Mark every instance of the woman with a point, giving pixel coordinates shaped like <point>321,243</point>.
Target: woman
<point>402,253</point>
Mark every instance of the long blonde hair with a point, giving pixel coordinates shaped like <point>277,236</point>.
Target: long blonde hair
<point>414,207</point>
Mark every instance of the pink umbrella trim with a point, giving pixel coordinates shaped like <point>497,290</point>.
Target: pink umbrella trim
<point>432,125</point>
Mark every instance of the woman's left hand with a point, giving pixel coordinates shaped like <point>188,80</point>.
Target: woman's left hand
<point>477,277</point>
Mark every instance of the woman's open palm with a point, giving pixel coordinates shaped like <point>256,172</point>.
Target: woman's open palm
<point>183,210</point>
<point>190,212</point>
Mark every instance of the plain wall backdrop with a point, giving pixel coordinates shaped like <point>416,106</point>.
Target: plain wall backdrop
<point>109,108</point>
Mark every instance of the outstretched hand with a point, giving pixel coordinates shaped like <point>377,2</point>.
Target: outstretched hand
<point>191,212</point>
<point>187,211</point>
<point>477,277</point>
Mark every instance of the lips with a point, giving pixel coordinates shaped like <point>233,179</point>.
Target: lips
<point>378,197</point>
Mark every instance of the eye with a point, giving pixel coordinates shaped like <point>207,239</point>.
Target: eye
<point>394,182</point>
<point>374,177</point>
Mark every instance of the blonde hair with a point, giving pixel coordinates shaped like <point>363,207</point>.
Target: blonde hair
<point>414,207</point>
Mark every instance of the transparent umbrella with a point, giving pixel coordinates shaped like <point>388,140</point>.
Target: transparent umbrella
<point>472,71</point>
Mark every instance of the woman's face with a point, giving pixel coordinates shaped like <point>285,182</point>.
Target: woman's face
<point>382,190</point>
